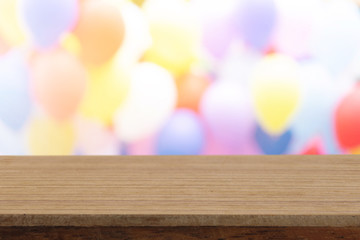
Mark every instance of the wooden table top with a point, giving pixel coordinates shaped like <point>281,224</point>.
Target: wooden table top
<point>180,191</point>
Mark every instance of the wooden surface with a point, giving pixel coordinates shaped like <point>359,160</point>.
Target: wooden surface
<point>178,233</point>
<point>180,191</point>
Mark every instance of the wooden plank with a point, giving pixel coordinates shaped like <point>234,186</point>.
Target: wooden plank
<point>183,233</point>
<point>180,191</point>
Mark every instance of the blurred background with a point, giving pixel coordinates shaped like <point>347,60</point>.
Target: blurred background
<point>121,77</point>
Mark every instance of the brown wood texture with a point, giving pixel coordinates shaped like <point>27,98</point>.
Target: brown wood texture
<point>180,191</point>
<point>182,233</point>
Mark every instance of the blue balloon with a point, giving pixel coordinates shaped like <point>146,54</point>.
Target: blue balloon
<point>182,135</point>
<point>47,20</point>
<point>15,102</point>
<point>273,144</point>
<point>11,143</point>
<point>255,21</point>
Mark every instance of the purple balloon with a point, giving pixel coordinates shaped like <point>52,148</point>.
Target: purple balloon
<point>255,21</point>
<point>217,36</point>
<point>228,113</point>
<point>47,20</point>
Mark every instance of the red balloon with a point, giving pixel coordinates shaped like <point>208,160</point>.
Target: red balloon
<point>347,120</point>
<point>314,147</point>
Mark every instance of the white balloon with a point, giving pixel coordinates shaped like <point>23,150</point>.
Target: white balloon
<point>152,98</point>
<point>238,65</point>
<point>209,9</point>
<point>315,115</point>
<point>137,37</point>
<point>296,20</point>
<point>158,10</point>
<point>337,36</point>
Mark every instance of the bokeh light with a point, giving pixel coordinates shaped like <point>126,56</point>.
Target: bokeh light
<point>189,77</point>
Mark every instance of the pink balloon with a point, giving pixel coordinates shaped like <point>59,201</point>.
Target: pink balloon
<point>144,146</point>
<point>214,147</point>
<point>58,82</point>
<point>295,27</point>
<point>228,113</point>
<point>93,138</point>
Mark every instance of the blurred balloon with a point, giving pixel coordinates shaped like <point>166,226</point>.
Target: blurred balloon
<point>347,118</point>
<point>93,138</point>
<point>218,36</point>
<point>106,92</point>
<point>151,99</point>
<point>15,101</point>
<point>138,2</point>
<point>183,134</point>
<point>255,21</point>
<point>213,146</point>
<point>190,91</point>
<point>46,21</point>
<point>276,92</point>
<point>71,44</point>
<point>137,38</point>
<point>217,30</point>
<point>175,35</point>
<point>145,77</point>
<point>10,28</point>
<point>59,83</point>
<point>355,150</point>
<point>11,142</point>
<point>144,146</point>
<point>239,65</point>
<point>337,35</point>
<point>315,114</point>
<point>100,31</point>
<point>353,71</point>
<point>48,137</point>
<point>227,111</point>
<point>295,26</point>
<point>4,47</point>
<point>314,147</point>
<point>271,144</point>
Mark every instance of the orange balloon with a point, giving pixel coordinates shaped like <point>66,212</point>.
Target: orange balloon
<point>100,31</point>
<point>190,91</point>
<point>59,83</point>
<point>4,47</point>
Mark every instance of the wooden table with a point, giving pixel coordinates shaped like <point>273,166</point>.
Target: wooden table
<point>180,197</point>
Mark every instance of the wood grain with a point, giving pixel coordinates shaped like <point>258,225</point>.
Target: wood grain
<point>183,233</point>
<point>180,191</point>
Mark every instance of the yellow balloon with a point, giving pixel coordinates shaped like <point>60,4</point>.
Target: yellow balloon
<point>276,92</point>
<point>107,89</point>
<point>138,2</point>
<point>10,28</point>
<point>48,137</point>
<point>175,37</point>
<point>71,44</point>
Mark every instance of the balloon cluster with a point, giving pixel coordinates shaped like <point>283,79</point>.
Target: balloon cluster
<point>179,77</point>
